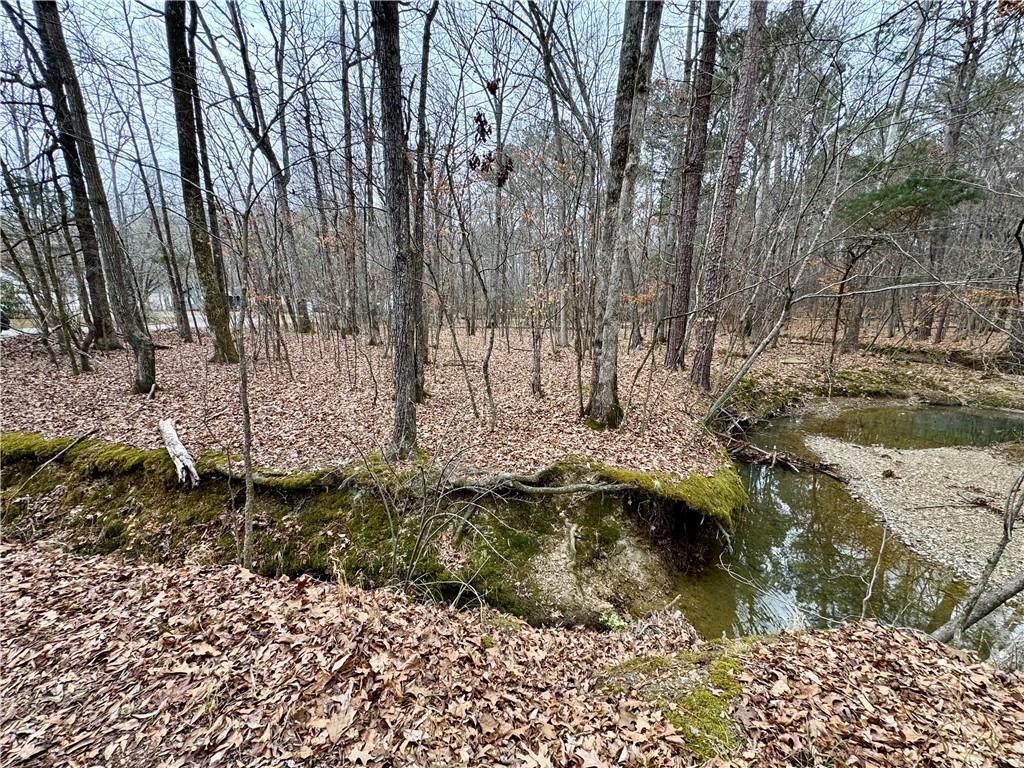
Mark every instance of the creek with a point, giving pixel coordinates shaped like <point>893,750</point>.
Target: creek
<point>804,550</point>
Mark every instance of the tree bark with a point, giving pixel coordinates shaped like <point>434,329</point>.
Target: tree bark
<point>419,223</point>
<point>603,406</point>
<point>126,308</point>
<point>351,237</point>
<point>693,177</point>
<point>204,155</point>
<point>102,324</point>
<point>182,80</point>
<point>406,294</point>
<point>725,205</point>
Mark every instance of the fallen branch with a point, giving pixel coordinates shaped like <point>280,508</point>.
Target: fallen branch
<point>184,464</point>
<point>751,454</point>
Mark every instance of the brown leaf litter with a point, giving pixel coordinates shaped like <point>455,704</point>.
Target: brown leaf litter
<point>330,403</point>
<point>117,663</point>
<point>869,695</point>
<point>109,662</point>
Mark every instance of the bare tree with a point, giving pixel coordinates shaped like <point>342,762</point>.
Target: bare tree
<point>693,179</point>
<point>603,407</point>
<point>725,203</point>
<point>126,307</point>
<point>406,293</point>
<point>183,85</point>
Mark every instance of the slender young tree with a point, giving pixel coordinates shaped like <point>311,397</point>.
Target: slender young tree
<point>419,209</point>
<point>182,86</point>
<point>123,296</point>
<point>725,203</point>
<point>406,294</point>
<point>603,407</point>
<point>693,176</point>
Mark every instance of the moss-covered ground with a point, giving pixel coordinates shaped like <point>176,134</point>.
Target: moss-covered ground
<point>695,690</point>
<point>765,394</point>
<point>374,525</point>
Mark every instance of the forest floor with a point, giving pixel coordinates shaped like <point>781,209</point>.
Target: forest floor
<point>330,403</point>
<point>326,401</point>
<point>121,663</point>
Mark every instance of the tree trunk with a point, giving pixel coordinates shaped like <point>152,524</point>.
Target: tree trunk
<point>182,78</point>
<point>693,176</point>
<point>351,274</point>
<point>204,156</point>
<point>102,324</point>
<point>419,224</point>
<point>725,204</point>
<point>126,308</point>
<point>603,407</point>
<point>405,293</point>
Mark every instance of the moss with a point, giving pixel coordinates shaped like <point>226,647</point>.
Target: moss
<point>112,535</point>
<point>702,716</point>
<point>363,523</point>
<point>694,690</point>
<point>101,458</point>
<point>597,534</point>
<point>89,456</point>
<point>29,446</point>
<point>214,462</point>
<point>762,396</point>
<point>26,479</point>
<point>872,382</point>
<point>498,551</point>
<point>616,677</point>
<point>717,496</point>
<point>613,622</point>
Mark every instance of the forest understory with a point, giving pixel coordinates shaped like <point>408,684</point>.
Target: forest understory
<point>528,383</point>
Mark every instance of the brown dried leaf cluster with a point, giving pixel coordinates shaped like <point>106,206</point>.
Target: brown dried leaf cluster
<point>107,662</point>
<point>869,695</point>
<point>330,403</point>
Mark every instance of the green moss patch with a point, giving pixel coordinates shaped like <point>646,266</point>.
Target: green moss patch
<point>717,496</point>
<point>762,396</point>
<point>694,690</point>
<point>88,456</point>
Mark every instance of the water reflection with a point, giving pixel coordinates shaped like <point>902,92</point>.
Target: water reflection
<point>803,556</point>
<point>910,427</point>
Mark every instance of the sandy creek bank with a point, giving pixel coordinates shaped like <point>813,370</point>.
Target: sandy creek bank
<point>930,498</point>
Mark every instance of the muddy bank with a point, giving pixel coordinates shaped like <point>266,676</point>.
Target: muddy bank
<point>795,373</point>
<point>945,503</point>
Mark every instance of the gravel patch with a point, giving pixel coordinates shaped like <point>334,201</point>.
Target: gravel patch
<point>929,499</point>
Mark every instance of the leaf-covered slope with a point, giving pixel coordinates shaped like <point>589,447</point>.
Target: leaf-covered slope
<point>869,695</point>
<point>110,662</point>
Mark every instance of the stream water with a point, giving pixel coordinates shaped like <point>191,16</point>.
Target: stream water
<point>804,550</point>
